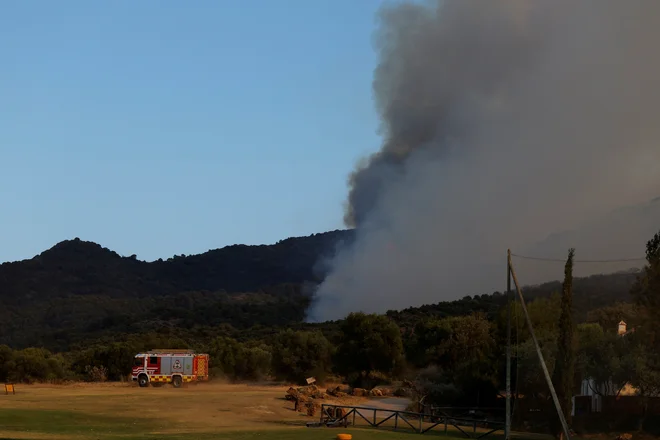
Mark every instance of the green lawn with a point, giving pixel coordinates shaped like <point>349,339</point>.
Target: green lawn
<point>65,423</point>
<point>304,434</point>
<point>27,424</point>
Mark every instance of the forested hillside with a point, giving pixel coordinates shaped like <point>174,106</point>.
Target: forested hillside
<point>79,291</point>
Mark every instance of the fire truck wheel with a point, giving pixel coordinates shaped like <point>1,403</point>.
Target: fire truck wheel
<point>143,381</point>
<point>176,381</point>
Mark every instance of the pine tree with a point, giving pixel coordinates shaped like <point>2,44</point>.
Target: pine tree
<point>646,290</point>
<point>564,373</point>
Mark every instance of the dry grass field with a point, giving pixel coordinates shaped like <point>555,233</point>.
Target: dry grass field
<point>203,411</point>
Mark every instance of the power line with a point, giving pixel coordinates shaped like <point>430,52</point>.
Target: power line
<point>557,260</point>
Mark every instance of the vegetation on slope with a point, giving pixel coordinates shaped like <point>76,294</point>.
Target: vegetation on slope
<point>78,292</point>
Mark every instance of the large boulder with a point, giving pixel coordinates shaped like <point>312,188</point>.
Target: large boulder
<point>339,391</point>
<point>360,392</point>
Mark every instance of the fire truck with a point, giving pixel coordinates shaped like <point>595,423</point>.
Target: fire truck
<point>173,366</point>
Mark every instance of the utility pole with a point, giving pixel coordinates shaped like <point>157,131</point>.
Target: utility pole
<point>507,426</point>
<point>548,379</point>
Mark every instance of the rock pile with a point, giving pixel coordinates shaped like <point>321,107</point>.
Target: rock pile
<point>304,398</point>
<point>305,393</point>
<point>358,392</point>
<point>339,391</point>
<point>376,393</point>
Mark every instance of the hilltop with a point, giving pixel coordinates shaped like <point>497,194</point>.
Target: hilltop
<point>79,291</point>
<point>76,267</point>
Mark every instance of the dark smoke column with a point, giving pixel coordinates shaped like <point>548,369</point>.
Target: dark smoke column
<point>430,69</point>
<point>503,122</point>
<point>367,182</point>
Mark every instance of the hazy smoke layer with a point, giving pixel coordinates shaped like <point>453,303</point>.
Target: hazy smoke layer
<point>503,122</point>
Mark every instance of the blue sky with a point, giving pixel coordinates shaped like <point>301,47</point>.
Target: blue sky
<point>168,127</point>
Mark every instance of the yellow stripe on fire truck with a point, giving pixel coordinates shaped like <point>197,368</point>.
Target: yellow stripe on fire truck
<point>158,378</point>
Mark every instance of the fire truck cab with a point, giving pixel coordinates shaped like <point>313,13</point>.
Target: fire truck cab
<point>170,366</point>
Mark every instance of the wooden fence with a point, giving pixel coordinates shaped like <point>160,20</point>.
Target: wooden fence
<point>342,415</point>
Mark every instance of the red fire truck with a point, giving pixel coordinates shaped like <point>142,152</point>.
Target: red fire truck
<point>170,366</point>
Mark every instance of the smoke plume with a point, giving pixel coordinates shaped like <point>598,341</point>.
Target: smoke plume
<point>503,122</point>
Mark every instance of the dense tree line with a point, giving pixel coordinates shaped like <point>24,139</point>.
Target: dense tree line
<point>463,340</point>
<point>368,346</point>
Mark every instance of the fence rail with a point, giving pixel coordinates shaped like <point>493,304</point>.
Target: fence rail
<point>339,415</point>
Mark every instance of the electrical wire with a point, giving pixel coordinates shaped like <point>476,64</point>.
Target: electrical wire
<point>557,260</point>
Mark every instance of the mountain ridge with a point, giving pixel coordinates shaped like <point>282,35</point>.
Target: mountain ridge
<point>231,268</point>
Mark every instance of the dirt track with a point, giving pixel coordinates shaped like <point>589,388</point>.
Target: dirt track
<point>391,403</point>
<point>383,403</point>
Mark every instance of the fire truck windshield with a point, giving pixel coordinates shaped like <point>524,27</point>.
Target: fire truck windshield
<point>138,362</point>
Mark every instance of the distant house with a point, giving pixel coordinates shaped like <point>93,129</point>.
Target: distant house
<point>622,330</point>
